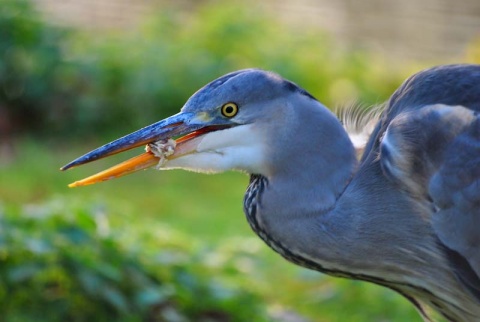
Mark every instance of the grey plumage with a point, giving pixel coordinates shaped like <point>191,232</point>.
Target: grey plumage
<point>406,216</point>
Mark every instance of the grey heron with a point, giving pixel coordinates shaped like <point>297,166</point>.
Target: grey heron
<point>405,216</point>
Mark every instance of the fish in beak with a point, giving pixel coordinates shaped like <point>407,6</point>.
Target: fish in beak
<point>168,139</point>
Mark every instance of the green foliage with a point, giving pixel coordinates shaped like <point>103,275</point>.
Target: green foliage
<point>60,262</point>
<point>222,251</point>
<point>32,85</point>
<point>77,83</point>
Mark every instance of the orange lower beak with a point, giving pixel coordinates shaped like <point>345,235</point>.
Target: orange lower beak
<point>182,124</point>
<point>182,146</point>
<point>141,162</point>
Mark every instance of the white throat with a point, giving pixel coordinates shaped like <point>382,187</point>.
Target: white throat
<point>239,148</point>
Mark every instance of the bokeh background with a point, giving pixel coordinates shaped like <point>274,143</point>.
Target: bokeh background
<point>174,246</point>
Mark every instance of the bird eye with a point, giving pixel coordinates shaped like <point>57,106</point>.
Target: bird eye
<point>229,110</point>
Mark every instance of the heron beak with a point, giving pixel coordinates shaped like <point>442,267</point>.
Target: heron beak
<point>181,126</point>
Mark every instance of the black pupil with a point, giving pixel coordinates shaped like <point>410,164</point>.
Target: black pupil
<point>229,109</point>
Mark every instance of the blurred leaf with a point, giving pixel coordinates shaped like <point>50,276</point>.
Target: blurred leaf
<point>109,271</point>
<point>75,234</point>
<point>64,83</point>
<point>115,297</point>
<point>23,272</point>
<point>151,296</point>
<point>38,246</point>
<point>61,267</point>
<point>92,283</point>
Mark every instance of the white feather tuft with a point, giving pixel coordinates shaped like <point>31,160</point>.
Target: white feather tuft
<point>359,121</point>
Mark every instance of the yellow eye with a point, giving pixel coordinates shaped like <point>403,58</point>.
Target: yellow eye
<point>229,110</point>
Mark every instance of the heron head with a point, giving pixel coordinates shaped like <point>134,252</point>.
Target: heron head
<point>229,124</point>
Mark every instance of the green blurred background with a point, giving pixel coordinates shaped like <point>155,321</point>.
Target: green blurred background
<point>170,246</point>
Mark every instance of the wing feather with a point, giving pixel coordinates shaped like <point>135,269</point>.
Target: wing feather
<point>455,190</point>
<point>433,153</point>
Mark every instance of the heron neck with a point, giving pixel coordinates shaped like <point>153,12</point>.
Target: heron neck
<point>345,236</point>
<point>319,207</point>
<point>308,175</point>
<point>303,187</point>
